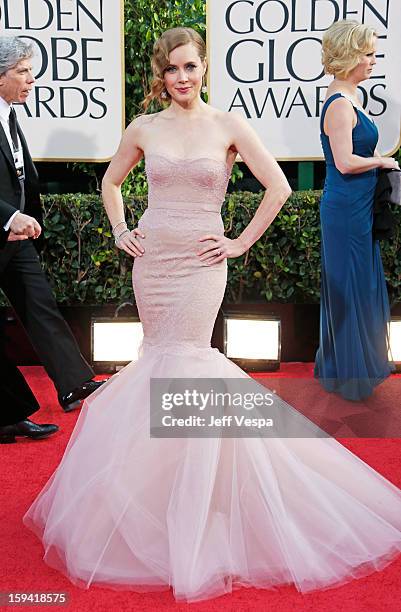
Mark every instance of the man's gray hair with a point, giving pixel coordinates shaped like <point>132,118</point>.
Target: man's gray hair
<point>12,51</point>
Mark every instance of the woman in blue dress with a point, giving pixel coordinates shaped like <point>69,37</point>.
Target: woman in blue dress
<point>353,353</point>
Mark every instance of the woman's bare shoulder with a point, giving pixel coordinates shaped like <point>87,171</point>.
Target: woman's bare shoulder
<point>230,121</point>
<point>140,129</point>
<point>233,119</point>
<point>343,100</point>
<point>340,113</point>
<point>144,121</point>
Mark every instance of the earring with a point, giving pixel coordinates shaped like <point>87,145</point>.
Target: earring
<point>204,89</point>
<point>163,94</point>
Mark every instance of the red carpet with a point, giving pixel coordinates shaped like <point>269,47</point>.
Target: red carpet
<point>27,465</point>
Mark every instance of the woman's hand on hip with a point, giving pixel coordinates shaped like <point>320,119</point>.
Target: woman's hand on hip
<point>221,248</point>
<point>128,242</point>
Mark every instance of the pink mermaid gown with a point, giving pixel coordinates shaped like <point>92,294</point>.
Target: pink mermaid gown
<point>202,515</point>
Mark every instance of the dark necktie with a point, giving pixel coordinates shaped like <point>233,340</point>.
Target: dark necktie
<point>12,122</point>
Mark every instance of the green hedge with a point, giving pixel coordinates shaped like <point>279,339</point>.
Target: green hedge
<point>84,266</point>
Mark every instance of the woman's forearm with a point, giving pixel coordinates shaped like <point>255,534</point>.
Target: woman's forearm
<point>356,164</point>
<point>267,211</point>
<point>113,203</point>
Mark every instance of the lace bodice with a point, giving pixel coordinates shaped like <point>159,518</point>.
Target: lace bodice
<point>196,183</point>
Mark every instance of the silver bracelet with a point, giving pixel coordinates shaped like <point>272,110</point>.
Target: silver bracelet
<point>117,238</point>
<point>113,229</point>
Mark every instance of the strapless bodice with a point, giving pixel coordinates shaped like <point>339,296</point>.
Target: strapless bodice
<point>194,184</point>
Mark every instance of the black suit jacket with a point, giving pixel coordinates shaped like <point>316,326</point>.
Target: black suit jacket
<point>34,304</point>
<point>18,399</point>
<point>10,188</point>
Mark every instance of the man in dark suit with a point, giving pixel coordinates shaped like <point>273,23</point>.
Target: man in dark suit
<point>21,276</point>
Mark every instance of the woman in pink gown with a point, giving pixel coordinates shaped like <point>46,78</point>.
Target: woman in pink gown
<point>200,515</point>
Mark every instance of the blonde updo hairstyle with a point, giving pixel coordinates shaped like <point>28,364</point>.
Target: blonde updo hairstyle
<point>168,41</point>
<point>343,45</point>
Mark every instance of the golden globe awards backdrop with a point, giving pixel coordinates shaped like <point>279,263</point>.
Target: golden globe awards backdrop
<point>76,109</point>
<point>265,63</point>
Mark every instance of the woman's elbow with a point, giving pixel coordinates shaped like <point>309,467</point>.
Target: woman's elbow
<point>344,167</point>
<point>104,184</point>
<point>285,193</point>
<point>107,184</point>
<point>280,196</point>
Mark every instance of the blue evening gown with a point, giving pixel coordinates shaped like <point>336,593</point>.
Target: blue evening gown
<point>354,310</point>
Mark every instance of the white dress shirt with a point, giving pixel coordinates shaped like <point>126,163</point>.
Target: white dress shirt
<point>4,116</point>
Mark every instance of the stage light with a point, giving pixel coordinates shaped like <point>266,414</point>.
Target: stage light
<point>395,341</point>
<point>253,341</point>
<point>114,342</point>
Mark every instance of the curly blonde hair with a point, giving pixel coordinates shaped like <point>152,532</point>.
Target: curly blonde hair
<point>343,45</point>
<point>168,41</point>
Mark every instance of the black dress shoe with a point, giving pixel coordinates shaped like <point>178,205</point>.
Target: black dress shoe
<point>26,429</point>
<point>72,400</point>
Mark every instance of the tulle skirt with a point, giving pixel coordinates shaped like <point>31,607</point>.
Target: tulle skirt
<point>206,516</point>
